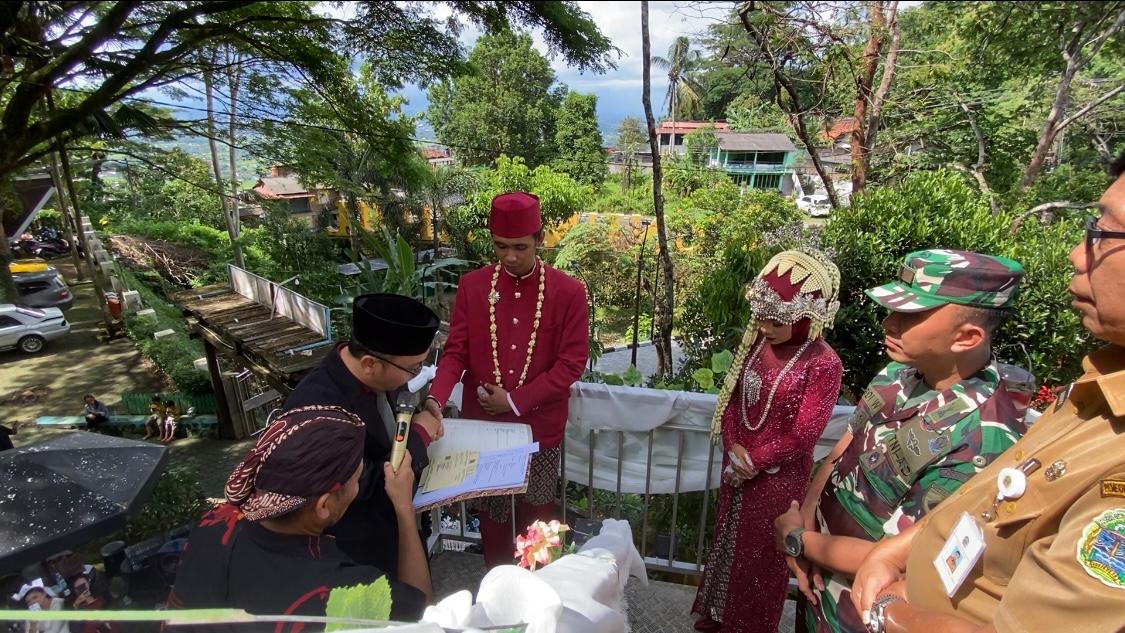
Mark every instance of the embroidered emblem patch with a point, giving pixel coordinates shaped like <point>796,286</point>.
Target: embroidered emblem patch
<point>912,443</point>
<point>939,444</point>
<point>1113,488</point>
<point>1101,549</point>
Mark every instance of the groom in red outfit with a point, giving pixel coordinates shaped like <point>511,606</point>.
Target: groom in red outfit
<point>518,339</point>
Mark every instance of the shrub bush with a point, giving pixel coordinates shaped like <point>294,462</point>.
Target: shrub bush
<point>177,499</point>
<point>726,240</point>
<point>174,355</point>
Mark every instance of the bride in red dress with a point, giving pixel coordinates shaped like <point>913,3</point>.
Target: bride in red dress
<point>775,403</point>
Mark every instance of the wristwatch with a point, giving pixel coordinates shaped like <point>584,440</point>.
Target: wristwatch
<point>794,544</point>
<point>878,615</point>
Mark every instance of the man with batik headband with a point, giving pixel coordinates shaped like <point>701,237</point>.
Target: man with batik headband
<point>518,339</point>
<point>936,415</point>
<point>391,338</point>
<point>774,406</point>
<point>265,550</point>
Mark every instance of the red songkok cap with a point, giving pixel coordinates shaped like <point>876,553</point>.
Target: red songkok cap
<point>515,215</point>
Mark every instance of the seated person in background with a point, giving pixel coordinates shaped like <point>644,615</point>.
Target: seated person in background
<point>83,598</point>
<point>155,420</point>
<point>171,422</point>
<point>38,597</point>
<point>265,550</point>
<point>96,413</point>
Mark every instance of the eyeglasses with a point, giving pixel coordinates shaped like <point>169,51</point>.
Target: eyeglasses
<point>1093,234</point>
<point>417,369</point>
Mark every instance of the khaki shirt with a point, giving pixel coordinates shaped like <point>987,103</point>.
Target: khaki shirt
<point>1054,559</point>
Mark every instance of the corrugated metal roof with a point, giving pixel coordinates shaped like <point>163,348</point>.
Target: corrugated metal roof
<point>745,142</point>
<point>281,187</point>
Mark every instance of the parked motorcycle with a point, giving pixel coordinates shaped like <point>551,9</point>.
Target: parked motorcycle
<point>29,245</point>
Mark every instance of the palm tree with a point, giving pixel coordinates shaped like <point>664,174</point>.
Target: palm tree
<point>683,90</point>
<point>442,187</point>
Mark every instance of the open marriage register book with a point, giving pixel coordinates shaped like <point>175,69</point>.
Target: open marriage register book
<point>476,459</point>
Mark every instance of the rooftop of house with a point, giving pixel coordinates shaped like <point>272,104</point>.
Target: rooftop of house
<point>753,142</point>
<point>277,187</point>
<point>431,153</point>
<point>666,127</point>
<point>841,126</point>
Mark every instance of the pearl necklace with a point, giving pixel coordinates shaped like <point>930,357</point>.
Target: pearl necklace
<point>493,299</point>
<point>752,384</point>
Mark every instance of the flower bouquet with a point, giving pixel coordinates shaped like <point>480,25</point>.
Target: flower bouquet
<point>541,544</point>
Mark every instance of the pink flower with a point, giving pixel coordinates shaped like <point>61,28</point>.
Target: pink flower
<point>541,544</point>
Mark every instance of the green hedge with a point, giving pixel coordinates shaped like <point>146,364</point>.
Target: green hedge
<point>174,355</point>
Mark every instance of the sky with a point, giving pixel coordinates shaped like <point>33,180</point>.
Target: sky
<point>618,91</point>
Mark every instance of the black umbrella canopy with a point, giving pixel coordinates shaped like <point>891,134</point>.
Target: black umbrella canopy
<point>68,490</point>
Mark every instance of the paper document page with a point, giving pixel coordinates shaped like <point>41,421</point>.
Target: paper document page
<point>478,435</point>
<point>495,470</point>
<point>449,470</point>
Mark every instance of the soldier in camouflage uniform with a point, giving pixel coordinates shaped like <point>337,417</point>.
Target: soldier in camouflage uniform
<point>935,416</point>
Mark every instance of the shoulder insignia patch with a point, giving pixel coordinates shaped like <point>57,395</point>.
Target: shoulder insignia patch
<point>1113,488</point>
<point>1101,548</point>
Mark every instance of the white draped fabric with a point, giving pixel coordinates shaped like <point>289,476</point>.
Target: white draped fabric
<point>673,417</point>
<point>579,593</point>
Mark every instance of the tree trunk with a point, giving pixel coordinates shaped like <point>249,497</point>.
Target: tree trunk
<point>877,24</point>
<point>797,119</point>
<point>791,106</point>
<point>663,316</point>
<point>1075,61</point>
<point>982,155</point>
<point>72,222</point>
<point>875,118</point>
<point>234,73</point>
<point>216,171</point>
<point>63,208</point>
<point>7,284</point>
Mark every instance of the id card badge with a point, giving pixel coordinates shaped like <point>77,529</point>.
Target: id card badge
<point>960,553</point>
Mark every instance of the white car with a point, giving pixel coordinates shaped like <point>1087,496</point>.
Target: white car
<point>814,205</point>
<point>29,329</point>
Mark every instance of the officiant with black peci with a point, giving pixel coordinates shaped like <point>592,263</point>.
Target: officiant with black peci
<point>391,338</point>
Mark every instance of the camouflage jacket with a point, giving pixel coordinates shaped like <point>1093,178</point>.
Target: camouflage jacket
<point>912,447</point>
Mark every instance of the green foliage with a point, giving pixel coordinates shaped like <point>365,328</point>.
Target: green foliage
<point>579,141</point>
<point>361,602</point>
<point>682,176</point>
<point>291,247</point>
<point>750,113</point>
<point>559,198</point>
<point>726,230</point>
<point>352,137</point>
<point>699,143</point>
<point>940,210</point>
<point>175,354</point>
<point>178,498</point>
<point>505,107</point>
<point>175,187</point>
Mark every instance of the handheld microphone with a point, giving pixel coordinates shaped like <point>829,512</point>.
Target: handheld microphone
<point>404,411</point>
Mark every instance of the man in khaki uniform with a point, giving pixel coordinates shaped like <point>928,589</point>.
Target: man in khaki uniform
<point>1051,508</point>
